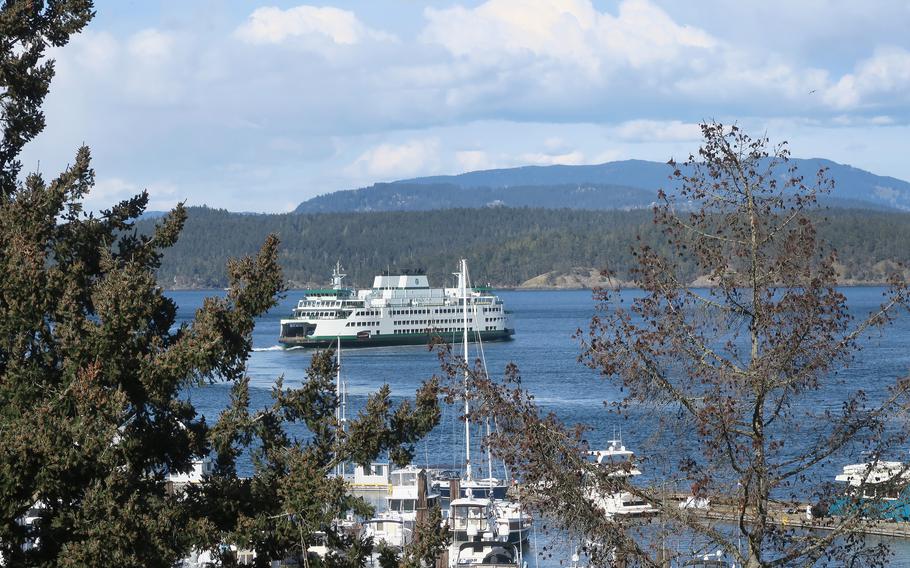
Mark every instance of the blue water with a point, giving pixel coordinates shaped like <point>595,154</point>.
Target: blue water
<point>546,353</point>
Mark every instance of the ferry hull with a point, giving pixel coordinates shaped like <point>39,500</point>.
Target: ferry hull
<point>390,339</point>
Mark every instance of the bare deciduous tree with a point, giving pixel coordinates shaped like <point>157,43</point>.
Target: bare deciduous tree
<point>739,380</point>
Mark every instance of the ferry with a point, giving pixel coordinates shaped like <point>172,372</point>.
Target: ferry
<point>397,310</point>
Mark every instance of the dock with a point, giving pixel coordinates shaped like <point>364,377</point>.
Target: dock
<point>791,515</point>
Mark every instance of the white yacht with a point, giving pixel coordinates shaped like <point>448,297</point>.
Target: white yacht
<point>619,463</point>
<point>399,309</point>
<point>177,482</point>
<point>490,554</point>
<point>395,525</point>
<point>471,520</point>
<point>514,522</point>
<point>877,480</point>
<point>389,529</point>
<point>877,490</point>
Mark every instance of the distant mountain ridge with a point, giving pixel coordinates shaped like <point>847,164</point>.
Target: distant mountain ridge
<point>404,196</point>
<point>627,184</point>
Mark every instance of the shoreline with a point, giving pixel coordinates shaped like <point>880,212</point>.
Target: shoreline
<point>622,286</point>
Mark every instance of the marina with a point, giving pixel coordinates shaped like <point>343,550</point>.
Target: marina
<point>546,354</point>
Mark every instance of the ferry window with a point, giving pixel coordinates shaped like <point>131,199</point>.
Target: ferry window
<point>408,505</point>
<point>395,504</point>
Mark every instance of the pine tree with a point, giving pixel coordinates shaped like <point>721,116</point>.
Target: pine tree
<point>93,372</point>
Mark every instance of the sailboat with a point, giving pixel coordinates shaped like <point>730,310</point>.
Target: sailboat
<point>480,511</point>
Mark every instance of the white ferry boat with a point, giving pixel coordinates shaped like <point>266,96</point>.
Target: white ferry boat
<point>397,310</point>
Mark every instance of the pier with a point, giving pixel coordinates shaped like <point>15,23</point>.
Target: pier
<point>790,515</point>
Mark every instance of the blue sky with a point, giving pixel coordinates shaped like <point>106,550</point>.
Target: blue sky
<point>258,106</point>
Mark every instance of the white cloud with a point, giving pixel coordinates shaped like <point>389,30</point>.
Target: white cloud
<point>93,51</point>
<point>151,45</point>
<point>554,143</point>
<point>472,160</point>
<point>271,25</point>
<point>658,131</point>
<point>887,72</point>
<point>155,69</point>
<point>567,31</point>
<point>392,161</point>
<point>111,190</point>
<point>544,159</point>
<point>745,78</point>
<point>859,120</point>
<point>480,85</point>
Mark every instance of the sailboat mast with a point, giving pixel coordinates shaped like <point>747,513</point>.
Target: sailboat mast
<point>489,453</point>
<point>467,405</point>
<point>339,467</point>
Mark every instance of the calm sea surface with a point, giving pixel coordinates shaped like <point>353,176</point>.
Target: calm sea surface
<point>546,354</point>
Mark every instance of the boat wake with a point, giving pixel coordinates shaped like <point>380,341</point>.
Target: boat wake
<point>277,348</point>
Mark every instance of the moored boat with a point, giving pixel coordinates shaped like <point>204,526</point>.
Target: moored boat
<point>618,462</point>
<point>490,554</point>
<point>390,529</point>
<point>876,490</point>
<point>471,521</point>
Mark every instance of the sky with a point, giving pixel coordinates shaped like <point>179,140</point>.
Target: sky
<point>257,106</point>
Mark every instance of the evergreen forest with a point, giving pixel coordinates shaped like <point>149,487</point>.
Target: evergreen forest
<point>505,247</point>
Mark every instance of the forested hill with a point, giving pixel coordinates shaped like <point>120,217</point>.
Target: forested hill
<point>627,184</point>
<point>506,247</point>
<point>426,196</point>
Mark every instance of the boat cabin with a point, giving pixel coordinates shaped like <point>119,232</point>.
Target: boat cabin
<point>471,519</point>
<point>391,530</point>
<point>374,475</point>
<point>490,554</point>
<point>882,480</point>
<point>876,490</point>
<point>404,491</point>
<point>616,459</point>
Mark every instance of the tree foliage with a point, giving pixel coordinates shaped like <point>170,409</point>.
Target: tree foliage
<point>293,494</point>
<point>506,246</point>
<point>734,375</point>
<point>93,369</point>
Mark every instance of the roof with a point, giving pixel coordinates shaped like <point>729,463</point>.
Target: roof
<point>328,291</point>
<point>470,502</point>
